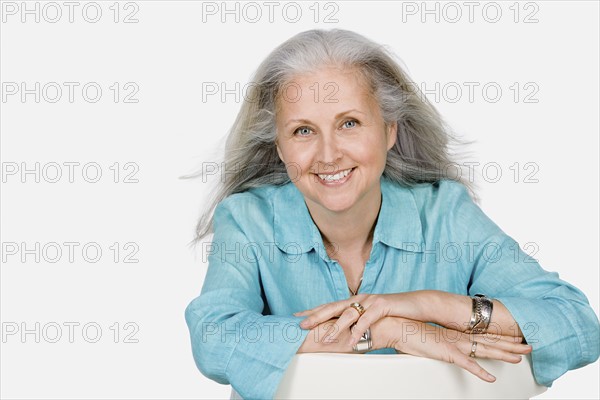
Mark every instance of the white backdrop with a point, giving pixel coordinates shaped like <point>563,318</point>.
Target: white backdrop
<point>104,105</point>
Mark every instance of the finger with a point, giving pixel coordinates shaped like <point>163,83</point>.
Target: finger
<point>492,338</point>
<point>370,317</point>
<point>320,307</point>
<point>506,345</point>
<point>490,352</point>
<point>469,364</point>
<point>351,316</point>
<point>312,310</point>
<point>300,313</point>
<point>516,348</point>
<point>331,328</point>
<point>318,315</point>
<point>348,317</point>
<point>375,311</point>
<point>503,351</point>
<point>325,313</point>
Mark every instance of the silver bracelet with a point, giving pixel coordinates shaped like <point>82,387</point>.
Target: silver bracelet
<point>481,313</point>
<point>364,344</point>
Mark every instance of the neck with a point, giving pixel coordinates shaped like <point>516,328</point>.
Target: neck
<point>350,231</point>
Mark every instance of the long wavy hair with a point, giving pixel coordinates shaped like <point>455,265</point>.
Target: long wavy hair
<point>421,153</point>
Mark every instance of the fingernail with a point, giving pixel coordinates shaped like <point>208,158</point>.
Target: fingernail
<point>492,377</point>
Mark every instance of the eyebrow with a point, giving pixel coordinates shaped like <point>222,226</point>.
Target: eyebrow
<point>337,116</point>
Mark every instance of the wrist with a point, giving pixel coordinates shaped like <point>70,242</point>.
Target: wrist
<point>310,342</point>
<point>425,305</point>
<point>402,331</point>
<point>381,333</point>
<point>446,309</point>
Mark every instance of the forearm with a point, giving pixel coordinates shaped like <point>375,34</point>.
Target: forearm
<point>226,339</point>
<point>452,311</point>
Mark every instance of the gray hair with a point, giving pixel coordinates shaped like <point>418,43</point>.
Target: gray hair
<point>421,152</point>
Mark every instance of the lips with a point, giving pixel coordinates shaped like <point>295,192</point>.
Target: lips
<point>337,178</point>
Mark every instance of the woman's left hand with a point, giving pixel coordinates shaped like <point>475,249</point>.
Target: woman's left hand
<point>377,306</point>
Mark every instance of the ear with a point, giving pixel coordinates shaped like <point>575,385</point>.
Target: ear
<point>392,134</point>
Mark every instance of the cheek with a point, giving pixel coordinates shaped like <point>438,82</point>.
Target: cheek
<point>375,156</point>
<point>297,159</point>
<point>368,151</point>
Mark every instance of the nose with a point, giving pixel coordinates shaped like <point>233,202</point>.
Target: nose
<point>330,152</point>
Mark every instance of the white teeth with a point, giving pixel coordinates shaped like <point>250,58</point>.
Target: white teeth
<point>335,177</point>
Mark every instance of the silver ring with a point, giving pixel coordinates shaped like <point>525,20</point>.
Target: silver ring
<point>473,349</point>
<point>365,343</point>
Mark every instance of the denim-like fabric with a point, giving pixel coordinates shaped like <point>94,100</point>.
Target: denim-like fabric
<point>267,261</point>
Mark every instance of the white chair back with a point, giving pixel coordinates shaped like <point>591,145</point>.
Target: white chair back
<point>400,376</point>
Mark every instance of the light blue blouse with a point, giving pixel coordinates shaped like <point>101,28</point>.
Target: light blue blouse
<point>267,261</point>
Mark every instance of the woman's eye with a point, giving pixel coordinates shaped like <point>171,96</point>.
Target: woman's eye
<point>350,123</point>
<point>303,131</point>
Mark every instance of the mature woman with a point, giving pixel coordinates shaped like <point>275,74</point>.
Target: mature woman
<point>336,229</point>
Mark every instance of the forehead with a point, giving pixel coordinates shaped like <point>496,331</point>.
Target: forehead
<point>326,89</point>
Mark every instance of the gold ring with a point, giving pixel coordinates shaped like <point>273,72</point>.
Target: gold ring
<point>361,310</point>
<point>473,349</point>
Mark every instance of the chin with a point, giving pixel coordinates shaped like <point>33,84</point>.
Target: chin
<point>336,205</point>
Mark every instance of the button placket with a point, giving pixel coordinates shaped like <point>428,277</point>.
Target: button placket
<point>372,268</point>
<point>340,283</point>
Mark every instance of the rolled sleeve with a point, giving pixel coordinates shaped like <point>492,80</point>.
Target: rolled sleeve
<point>554,316</point>
<point>232,341</point>
<point>563,336</point>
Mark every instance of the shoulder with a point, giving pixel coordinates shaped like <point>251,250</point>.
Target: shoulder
<point>451,205</point>
<point>443,188</point>
<point>444,195</point>
<point>248,209</point>
<point>447,204</point>
<point>250,200</point>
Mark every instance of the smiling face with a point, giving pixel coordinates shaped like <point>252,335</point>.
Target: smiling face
<point>333,139</point>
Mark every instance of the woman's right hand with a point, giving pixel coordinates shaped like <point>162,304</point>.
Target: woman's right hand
<point>439,343</point>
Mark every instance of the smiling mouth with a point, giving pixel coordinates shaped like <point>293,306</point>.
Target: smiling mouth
<point>335,178</point>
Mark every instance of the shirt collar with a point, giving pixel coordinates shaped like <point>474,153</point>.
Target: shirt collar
<point>398,224</point>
